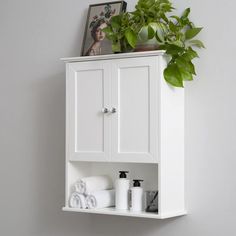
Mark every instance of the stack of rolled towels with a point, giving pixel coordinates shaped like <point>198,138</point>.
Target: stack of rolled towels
<point>92,192</point>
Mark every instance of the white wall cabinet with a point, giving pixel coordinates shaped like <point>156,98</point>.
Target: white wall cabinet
<point>121,114</point>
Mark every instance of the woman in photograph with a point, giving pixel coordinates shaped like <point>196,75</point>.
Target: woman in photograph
<point>98,36</point>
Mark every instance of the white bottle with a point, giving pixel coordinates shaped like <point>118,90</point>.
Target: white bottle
<point>122,190</point>
<point>136,196</point>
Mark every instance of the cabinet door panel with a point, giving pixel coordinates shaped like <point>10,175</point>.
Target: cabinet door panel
<point>87,91</point>
<point>134,110</point>
<point>135,96</point>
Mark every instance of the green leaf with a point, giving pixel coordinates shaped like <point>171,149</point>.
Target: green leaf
<point>151,32</point>
<point>190,54</point>
<point>131,37</point>
<point>183,64</point>
<point>175,17</point>
<point>160,31</point>
<point>173,49</point>
<point>116,47</point>
<point>196,43</point>
<point>109,33</point>
<point>172,76</point>
<point>164,27</point>
<point>115,25</point>
<point>192,68</point>
<point>178,20</point>
<point>186,13</point>
<point>143,34</point>
<point>185,75</point>
<point>163,16</point>
<point>116,19</point>
<point>172,26</point>
<point>107,30</point>
<point>178,43</point>
<point>191,33</point>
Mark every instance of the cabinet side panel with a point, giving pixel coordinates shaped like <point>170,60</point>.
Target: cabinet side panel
<point>171,168</point>
<point>75,171</point>
<point>67,135</point>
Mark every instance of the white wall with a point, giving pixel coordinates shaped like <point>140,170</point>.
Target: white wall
<point>33,36</point>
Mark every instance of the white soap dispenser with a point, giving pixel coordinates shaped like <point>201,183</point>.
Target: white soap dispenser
<point>136,196</point>
<point>122,190</point>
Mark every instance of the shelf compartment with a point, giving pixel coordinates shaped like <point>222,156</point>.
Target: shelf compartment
<point>147,172</point>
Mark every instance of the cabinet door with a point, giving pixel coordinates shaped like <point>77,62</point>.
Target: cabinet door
<point>135,96</point>
<point>87,122</point>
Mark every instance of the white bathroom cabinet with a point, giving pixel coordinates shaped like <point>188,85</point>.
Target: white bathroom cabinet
<point>122,115</point>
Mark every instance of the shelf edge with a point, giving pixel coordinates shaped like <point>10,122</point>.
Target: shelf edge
<point>114,56</point>
<point>127,214</point>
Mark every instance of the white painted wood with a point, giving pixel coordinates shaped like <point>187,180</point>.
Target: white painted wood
<point>88,88</point>
<point>144,136</point>
<point>73,173</point>
<point>113,211</point>
<point>135,97</point>
<point>114,56</point>
<point>171,163</point>
<point>67,139</point>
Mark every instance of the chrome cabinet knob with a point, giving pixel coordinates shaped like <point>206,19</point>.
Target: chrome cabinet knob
<point>105,110</point>
<point>113,110</point>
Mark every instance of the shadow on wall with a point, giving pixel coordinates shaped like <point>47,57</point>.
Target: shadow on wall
<point>75,46</point>
<point>49,166</point>
<point>120,226</point>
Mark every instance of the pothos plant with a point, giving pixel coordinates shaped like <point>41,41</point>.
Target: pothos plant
<point>174,34</point>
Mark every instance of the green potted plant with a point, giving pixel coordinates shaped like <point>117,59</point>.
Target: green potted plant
<point>174,34</point>
<point>149,15</point>
<point>122,32</point>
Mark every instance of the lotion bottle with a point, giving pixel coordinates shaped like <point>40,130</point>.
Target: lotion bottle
<point>122,189</point>
<point>136,196</point>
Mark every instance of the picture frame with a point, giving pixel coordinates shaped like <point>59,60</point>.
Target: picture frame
<point>94,42</point>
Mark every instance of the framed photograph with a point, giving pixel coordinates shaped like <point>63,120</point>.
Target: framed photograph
<point>94,42</point>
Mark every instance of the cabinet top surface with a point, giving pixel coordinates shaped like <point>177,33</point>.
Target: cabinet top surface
<point>114,56</point>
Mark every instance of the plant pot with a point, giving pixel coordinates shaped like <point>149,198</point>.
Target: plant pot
<point>145,44</point>
<point>125,47</point>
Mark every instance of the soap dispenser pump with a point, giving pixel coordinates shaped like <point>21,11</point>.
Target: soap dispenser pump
<point>122,190</point>
<point>137,196</point>
<point>123,174</point>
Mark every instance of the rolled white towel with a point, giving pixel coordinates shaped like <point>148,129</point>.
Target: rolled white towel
<point>93,183</point>
<point>77,200</point>
<point>101,199</point>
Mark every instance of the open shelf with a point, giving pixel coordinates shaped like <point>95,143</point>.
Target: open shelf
<point>113,211</point>
<point>146,171</point>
